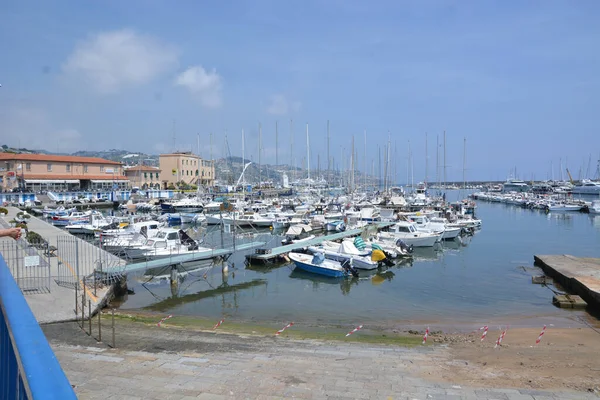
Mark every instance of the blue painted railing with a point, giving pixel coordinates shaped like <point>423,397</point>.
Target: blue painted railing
<point>28,367</point>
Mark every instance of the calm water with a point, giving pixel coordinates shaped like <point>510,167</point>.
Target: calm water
<point>485,279</point>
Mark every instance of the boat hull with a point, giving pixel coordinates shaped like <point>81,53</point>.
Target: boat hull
<point>326,268</point>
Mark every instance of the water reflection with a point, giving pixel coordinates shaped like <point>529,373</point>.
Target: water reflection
<point>595,219</point>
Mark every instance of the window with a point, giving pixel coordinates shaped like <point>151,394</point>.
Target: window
<point>196,172</point>
<point>102,168</point>
<point>49,167</point>
<point>145,175</point>
<point>85,169</point>
<point>28,166</point>
<point>68,167</point>
<point>157,175</point>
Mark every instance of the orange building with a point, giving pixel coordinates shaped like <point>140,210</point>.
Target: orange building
<point>54,172</point>
<point>187,168</point>
<point>143,177</point>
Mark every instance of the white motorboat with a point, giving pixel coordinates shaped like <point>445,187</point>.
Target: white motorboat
<point>438,225</point>
<point>346,251</point>
<point>558,206</point>
<point>409,234</point>
<point>281,223</point>
<point>167,242</point>
<point>96,224</point>
<point>595,207</point>
<point>192,205</point>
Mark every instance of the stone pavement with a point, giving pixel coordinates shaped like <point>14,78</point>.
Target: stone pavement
<point>290,369</point>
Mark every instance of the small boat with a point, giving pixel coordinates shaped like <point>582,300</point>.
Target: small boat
<point>317,264</point>
<point>346,251</point>
<point>335,226</point>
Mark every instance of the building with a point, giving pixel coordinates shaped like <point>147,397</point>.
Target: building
<point>36,172</point>
<point>143,177</point>
<point>185,168</point>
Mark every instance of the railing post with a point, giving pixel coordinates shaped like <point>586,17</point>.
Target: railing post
<point>76,305</point>
<point>99,326</point>
<point>113,328</point>
<point>90,315</point>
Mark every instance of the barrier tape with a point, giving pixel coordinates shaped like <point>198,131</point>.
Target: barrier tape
<point>539,339</point>
<point>499,341</point>
<point>284,328</point>
<point>219,323</point>
<point>485,331</point>
<point>358,328</point>
<point>426,335</point>
<point>163,320</point>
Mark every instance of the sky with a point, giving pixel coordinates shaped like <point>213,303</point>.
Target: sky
<point>516,84</point>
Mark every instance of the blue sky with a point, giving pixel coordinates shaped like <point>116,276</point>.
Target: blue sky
<point>519,80</point>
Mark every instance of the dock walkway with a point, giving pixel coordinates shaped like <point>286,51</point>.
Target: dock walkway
<point>580,276</point>
<point>59,304</point>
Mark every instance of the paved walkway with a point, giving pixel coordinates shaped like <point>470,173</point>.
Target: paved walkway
<point>328,372</point>
<point>59,303</point>
<point>226,366</point>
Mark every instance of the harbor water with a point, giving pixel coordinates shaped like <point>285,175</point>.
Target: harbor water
<point>484,279</point>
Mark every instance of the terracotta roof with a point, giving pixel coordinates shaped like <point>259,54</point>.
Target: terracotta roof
<point>58,177</point>
<point>56,158</point>
<point>142,168</point>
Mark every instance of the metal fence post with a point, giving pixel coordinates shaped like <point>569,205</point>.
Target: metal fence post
<point>113,328</point>
<point>76,305</point>
<point>77,261</point>
<point>99,326</point>
<point>90,315</point>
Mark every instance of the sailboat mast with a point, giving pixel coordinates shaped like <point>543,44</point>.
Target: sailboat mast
<point>292,150</point>
<point>352,166</point>
<point>259,154</point>
<point>328,159</point>
<point>445,161</point>
<point>426,161</point>
<point>243,161</point>
<point>276,145</point>
<point>307,153</point>
<point>365,163</point>
<point>437,160</point>
<point>464,162</point>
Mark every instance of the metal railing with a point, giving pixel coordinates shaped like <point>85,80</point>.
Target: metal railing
<point>28,367</point>
<point>29,266</point>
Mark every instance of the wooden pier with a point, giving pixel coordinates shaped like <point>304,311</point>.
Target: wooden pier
<point>580,276</point>
<point>278,252</point>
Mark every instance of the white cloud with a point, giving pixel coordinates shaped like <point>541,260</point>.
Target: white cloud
<point>206,85</point>
<point>280,105</point>
<point>28,127</point>
<point>110,60</point>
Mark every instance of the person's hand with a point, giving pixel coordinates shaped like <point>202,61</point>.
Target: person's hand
<point>14,233</point>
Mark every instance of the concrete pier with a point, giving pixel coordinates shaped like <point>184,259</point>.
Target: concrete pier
<point>580,276</point>
<point>59,303</point>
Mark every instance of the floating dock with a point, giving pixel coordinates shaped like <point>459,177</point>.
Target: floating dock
<point>580,276</point>
<point>180,259</point>
<point>278,252</point>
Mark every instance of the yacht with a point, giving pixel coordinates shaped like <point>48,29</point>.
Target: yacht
<point>515,185</point>
<point>167,242</point>
<point>587,187</point>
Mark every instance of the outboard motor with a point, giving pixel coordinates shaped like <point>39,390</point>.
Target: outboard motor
<point>349,268</point>
<point>400,243</point>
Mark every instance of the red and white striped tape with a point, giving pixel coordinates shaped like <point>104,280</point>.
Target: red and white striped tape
<point>164,319</point>
<point>358,328</point>
<point>219,323</point>
<point>499,341</point>
<point>284,328</point>
<point>539,339</point>
<point>485,331</point>
<point>426,335</point>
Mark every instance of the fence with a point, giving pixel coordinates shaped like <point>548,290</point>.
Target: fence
<point>28,367</point>
<point>29,267</point>
<point>79,260</point>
